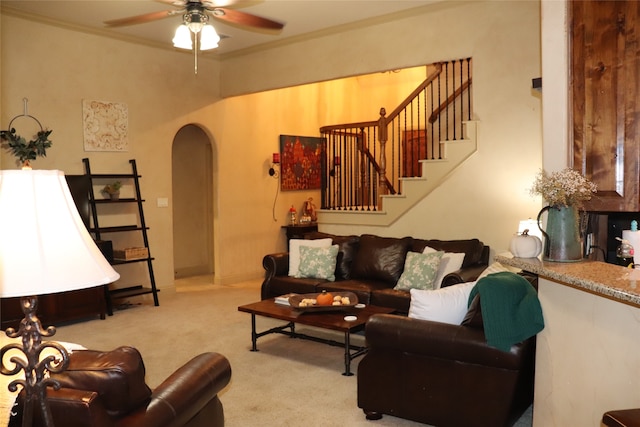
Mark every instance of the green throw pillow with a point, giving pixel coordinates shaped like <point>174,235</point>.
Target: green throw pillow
<point>420,271</point>
<point>318,263</point>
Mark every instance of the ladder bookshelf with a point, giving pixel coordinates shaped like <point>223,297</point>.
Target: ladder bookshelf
<point>140,227</point>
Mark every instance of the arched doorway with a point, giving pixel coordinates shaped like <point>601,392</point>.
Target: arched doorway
<point>192,181</point>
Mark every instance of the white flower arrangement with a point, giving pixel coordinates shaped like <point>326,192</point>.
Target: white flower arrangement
<point>563,188</point>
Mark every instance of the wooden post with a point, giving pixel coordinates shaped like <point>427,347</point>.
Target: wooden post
<point>382,137</point>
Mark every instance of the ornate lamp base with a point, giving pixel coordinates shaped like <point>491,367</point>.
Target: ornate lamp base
<point>35,365</point>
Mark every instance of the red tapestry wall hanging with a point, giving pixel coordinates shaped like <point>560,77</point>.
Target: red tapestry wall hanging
<point>300,162</point>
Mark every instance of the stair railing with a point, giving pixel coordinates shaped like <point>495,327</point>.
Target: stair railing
<point>356,171</point>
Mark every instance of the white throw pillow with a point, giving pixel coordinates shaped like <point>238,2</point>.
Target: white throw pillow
<point>496,267</point>
<point>450,262</point>
<point>446,305</point>
<point>294,251</point>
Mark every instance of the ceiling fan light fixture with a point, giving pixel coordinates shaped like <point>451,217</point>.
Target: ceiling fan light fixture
<point>209,38</point>
<point>195,20</point>
<point>182,38</point>
<point>195,27</point>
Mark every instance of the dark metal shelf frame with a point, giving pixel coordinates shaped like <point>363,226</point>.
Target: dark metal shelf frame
<point>141,227</point>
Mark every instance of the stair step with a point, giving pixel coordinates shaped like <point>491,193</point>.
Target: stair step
<point>414,189</point>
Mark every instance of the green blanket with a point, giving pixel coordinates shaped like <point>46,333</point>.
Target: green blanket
<point>511,311</point>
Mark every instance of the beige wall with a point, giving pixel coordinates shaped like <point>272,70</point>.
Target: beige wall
<point>555,69</point>
<point>488,196</point>
<point>56,69</point>
<point>586,359</point>
<point>485,199</point>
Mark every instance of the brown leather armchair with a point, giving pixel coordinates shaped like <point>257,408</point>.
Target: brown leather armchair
<point>107,389</point>
<point>442,374</point>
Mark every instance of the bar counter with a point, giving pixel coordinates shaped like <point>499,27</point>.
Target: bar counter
<point>588,354</point>
<point>607,280</point>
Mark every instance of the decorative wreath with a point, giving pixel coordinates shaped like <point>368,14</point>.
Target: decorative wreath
<point>25,152</point>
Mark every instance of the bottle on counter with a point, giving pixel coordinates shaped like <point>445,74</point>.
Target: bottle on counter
<point>624,253</point>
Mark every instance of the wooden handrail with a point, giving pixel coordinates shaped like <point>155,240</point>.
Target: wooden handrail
<point>351,138</point>
<point>449,101</point>
<point>415,93</point>
<point>372,159</point>
<point>359,125</point>
<point>395,112</point>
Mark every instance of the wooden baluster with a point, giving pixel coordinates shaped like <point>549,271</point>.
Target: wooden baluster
<point>382,137</point>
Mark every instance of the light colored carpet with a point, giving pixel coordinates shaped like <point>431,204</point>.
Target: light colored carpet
<point>286,383</point>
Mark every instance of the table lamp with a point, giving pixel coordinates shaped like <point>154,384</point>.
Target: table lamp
<point>44,248</point>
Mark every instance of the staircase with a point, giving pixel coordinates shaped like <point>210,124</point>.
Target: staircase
<point>393,206</point>
<point>374,172</point>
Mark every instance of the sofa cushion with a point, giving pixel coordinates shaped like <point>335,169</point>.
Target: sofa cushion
<point>380,258</point>
<point>319,263</point>
<point>450,263</point>
<point>446,305</point>
<point>347,247</point>
<point>471,247</point>
<point>294,251</point>
<point>280,285</point>
<point>420,271</point>
<point>473,318</point>
<point>117,376</point>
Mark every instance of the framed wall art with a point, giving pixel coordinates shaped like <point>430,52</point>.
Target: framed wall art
<point>105,126</point>
<point>300,167</point>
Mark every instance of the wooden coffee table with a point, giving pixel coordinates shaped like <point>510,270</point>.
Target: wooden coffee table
<point>333,320</point>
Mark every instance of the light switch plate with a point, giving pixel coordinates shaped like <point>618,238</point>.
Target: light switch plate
<point>163,202</point>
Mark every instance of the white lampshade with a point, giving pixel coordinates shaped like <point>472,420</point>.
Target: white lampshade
<point>44,246</point>
<point>182,38</point>
<point>209,38</point>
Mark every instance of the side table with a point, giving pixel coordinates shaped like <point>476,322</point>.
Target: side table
<point>298,231</point>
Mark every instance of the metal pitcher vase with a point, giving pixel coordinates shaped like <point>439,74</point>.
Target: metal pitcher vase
<point>562,237</point>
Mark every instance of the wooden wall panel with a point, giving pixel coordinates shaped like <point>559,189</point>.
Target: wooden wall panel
<point>605,60</point>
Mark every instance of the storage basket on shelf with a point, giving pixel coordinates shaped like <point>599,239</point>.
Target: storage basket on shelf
<point>130,253</point>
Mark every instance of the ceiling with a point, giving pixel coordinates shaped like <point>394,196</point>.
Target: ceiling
<point>301,18</point>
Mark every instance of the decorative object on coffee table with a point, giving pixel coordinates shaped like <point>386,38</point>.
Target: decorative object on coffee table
<point>343,301</point>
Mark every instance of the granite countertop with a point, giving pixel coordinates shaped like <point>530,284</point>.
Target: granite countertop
<point>607,280</point>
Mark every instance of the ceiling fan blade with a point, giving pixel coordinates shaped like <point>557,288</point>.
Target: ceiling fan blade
<point>141,19</point>
<point>177,3</point>
<point>243,18</point>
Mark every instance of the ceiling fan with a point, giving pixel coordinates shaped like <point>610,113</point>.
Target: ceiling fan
<point>201,9</point>
<point>195,16</point>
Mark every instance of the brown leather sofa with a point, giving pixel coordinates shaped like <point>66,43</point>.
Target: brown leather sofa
<point>442,374</point>
<point>107,389</point>
<point>370,267</point>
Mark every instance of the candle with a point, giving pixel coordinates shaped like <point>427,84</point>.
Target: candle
<point>276,158</point>
<point>336,161</point>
